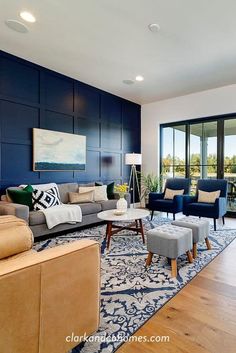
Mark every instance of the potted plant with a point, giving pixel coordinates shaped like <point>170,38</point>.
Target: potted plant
<point>149,183</point>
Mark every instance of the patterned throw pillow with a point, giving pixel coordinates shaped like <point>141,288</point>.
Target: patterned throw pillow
<point>45,199</point>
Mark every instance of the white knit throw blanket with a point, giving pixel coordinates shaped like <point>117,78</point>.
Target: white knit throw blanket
<point>62,214</point>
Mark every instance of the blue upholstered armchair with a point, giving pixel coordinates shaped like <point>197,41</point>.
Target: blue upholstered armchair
<point>158,203</point>
<point>191,206</point>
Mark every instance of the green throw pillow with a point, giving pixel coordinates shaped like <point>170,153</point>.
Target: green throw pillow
<point>110,189</point>
<point>23,197</point>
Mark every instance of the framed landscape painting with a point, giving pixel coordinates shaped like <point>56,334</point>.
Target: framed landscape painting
<point>58,151</point>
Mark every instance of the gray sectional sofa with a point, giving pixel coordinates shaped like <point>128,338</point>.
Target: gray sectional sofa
<point>36,219</point>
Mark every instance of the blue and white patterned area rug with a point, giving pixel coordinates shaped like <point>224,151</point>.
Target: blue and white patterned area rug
<point>130,293</point>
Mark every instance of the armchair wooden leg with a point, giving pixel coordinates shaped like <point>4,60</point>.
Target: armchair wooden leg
<point>214,224</point>
<point>174,216</point>
<point>173,267</point>
<point>208,244</point>
<point>149,259</point>
<point>152,214</point>
<point>223,220</point>
<point>194,250</point>
<point>190,257</point>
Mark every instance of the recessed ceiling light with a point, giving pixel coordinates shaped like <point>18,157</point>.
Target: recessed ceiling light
<point>154,27</point>
<point>16,26</point>
<point>139,78</point>
<point>27,16</point>
<point>128,82</point>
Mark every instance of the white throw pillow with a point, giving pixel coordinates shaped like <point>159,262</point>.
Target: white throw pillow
<point>170,194</point>
<point>86,188</point>
<point>208,197</point>
<point>100,193</point>
<point>83,189</point>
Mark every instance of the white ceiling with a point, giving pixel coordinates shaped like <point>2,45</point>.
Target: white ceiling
<point>102,42</point>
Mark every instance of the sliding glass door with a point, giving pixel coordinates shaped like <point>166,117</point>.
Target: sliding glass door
<point>173,160</point>
<point>203,151</point>
<point>201,148</point>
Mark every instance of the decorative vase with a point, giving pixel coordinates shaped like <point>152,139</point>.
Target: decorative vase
<point>122,204</point>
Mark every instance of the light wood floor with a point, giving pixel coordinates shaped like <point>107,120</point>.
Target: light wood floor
<point>201,318</point>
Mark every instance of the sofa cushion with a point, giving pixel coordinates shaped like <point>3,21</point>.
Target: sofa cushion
<point>15,236</point>
<point>36,218</point>
<point>108,205</point>
<point>89,208</point>
<point>64,190</point>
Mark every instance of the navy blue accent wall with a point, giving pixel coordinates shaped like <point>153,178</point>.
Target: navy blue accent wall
<point>32,96</point>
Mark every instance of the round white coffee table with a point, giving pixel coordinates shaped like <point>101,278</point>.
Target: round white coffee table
<point>133,215</point>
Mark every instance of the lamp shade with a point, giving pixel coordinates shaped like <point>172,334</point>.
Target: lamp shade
<point>133,159</point>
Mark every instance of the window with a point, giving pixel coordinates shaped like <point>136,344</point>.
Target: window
<point>201,149</point>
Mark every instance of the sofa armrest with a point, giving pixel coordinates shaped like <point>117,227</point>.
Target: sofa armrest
<point>14,209</point>
<point>51,254</point>
<point>126,196</point>
<point>66,282</point>
<point>221,206</point>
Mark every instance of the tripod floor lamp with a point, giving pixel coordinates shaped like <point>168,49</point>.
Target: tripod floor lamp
<point>133,159</point>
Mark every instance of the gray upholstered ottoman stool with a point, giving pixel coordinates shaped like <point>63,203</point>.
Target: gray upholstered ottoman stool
<point>200,229</point>
<point>169,241</point>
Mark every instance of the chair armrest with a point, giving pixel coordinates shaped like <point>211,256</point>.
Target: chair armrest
<point>221,206</point>
<point>178,201</point>
<point>153,196</point>
<point>156,196</point>
<point>126,196</point>
<point>14,209</point>
<point>189,199</point>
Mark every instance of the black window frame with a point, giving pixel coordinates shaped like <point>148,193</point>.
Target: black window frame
<point>220,119</point>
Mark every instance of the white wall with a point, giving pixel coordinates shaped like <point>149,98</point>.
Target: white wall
<point>202,104</point>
